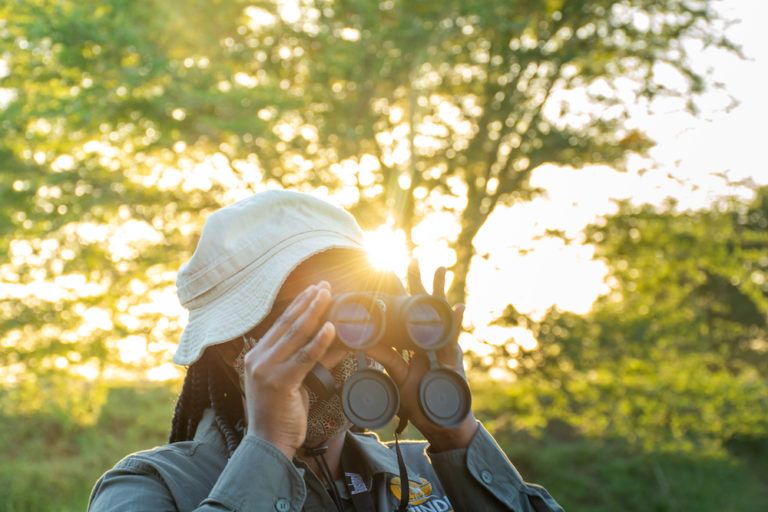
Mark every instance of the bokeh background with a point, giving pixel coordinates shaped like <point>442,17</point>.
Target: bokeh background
<point>592,173</point>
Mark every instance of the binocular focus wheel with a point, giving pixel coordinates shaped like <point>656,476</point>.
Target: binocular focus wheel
<point>370,399</point>
<point>444,397</point>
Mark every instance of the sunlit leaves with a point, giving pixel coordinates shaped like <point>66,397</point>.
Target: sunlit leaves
<point>124,123</point>
<point>676,352</point>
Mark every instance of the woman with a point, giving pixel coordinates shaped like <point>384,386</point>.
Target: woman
<point>247,434</point>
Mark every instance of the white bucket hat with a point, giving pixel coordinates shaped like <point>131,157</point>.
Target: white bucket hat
<point>244,255</point>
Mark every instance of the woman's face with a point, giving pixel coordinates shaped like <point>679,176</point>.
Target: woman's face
<point>346,271</point>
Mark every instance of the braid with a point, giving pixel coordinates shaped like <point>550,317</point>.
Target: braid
<point>222,404</point>
<point>187,408</point>
<point>175,434</point>
<point>199,399</point>
<point>206,387</point>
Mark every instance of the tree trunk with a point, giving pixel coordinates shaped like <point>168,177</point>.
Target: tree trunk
<point>471,222</point>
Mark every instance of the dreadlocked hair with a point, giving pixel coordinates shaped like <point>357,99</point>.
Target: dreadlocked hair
<point>206,386</point>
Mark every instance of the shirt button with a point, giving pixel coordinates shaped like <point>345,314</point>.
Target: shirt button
<point>282,505</point>
<point>486,476</point>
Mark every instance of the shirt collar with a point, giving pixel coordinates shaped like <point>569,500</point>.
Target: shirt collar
<point>208,432</point>
<point>376,457</point>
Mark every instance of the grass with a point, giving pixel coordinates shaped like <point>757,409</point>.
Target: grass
<point>607,475</point>
<point>50,464</point>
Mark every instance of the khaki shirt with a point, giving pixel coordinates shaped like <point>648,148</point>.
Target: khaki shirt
<point>196,475</point>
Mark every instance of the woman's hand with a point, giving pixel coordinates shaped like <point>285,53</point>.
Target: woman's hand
<point>407,375</point>
<point>276,403</point>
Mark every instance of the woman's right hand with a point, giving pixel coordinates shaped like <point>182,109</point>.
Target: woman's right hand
<point>276,403</point>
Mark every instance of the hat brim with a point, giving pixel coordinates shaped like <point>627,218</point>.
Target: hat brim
<point>250,297</point>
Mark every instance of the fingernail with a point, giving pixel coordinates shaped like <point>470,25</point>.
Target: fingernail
<point>309,290</point>
<point>316,297</point>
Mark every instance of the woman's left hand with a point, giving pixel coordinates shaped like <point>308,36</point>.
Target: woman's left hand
<point>408,374</point>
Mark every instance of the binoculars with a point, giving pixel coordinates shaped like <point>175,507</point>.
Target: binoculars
<point>405,322</point>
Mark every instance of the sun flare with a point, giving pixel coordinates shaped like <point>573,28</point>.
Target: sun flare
<point>387,249</point>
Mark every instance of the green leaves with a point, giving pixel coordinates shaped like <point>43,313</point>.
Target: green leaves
<point>676,352</point>
<point>123,123</point>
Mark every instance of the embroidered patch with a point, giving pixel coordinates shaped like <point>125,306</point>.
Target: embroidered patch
<point>420,498</point>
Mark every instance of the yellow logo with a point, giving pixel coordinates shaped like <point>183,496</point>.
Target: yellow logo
<point>418,492</point>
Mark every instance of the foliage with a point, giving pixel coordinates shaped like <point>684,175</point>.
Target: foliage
<point>448,107</point>
<point>143,115</point>
<point>51,452</point>
<point>91,235</point>
<point>584,474</point>
<point>676,353</point>
<point>605,474</point>
<point>124,122</point>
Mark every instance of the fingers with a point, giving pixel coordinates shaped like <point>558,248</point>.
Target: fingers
<point>307,306</point>
<point>296,341</point>
<point>333,356</point>
<point>286,373</point>
<point>458,313</point>
<point>396,366</point>
<point>302,327</point>
<point>306,357</point>
<point>415,286</point>
<point>438,283</point>
<point>298,304</point>
<point>451,355</point>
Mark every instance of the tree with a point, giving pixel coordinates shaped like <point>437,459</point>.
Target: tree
<point>407,105</point>
<point>677,350</point>
<point>130,120</point>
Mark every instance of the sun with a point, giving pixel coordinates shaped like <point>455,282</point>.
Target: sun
<point>387,249</point>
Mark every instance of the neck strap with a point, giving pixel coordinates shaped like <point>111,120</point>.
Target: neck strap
<point>359,492</point>
<point>353,479</point>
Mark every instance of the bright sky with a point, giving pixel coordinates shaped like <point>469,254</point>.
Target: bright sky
<point>724,139</point>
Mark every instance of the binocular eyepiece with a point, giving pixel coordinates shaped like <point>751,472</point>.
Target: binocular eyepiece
<point>417,322</point>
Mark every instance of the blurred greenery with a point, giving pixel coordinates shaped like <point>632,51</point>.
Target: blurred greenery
<point>123,123</point>
<point>670,364</point>
<point>51,464</point>
<point>677,352</point>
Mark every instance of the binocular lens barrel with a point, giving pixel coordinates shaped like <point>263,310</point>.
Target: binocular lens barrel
<point>370,398</point>
<point>424,326</point>
<point>363,319</point>
<point>356,324</point>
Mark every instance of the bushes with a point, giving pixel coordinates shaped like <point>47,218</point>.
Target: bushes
<point>50,462</point>
<point>50,466</point>
<point>607,473</point>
